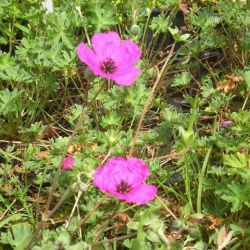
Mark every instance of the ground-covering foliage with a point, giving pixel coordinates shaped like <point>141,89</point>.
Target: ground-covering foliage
<point>185,119</point>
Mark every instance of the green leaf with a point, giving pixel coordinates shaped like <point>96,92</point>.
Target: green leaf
<point>181,79</point>
<point>204,20</point>
<point>10,101</point>
<point>238,164</point>
<point>246,76</point>
<point>236,194</point>
<point>137,244</point>
<point>63,240</point>
<point>18,236</point>
<point>207,86</point>
<point>14,217</point>
<point>153,237</point>
<point>103,17</point>
<point>3,41</point>
<point>177,36</point>
<point>22,28</point>
<point>160,23</point>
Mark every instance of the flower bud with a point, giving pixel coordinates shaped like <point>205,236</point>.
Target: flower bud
<point>177,224</point>
<point>194,233</point>
<point>68,162</point>
<point>79,186</point>
<point>226,123</point>
<point>135,29</point>
<point>148,11</point>
<point>151,72</point>
<point>74,187</point>
<point>83,187</point>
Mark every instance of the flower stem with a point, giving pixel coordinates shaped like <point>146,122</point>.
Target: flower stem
<point>147,104</point>
<point>115,239</point>
<point>46,217</point>
<point>74,208</point>
<point>102,230</point>
<point>245,102</point>
<point>201,177</point>
<point>47,214</point>
<point>77,127</point>
<point>83,221</point>
<point>166,207</point>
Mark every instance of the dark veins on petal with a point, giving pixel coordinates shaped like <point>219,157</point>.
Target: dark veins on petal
<point>123,187</point>
<point>108,66</point>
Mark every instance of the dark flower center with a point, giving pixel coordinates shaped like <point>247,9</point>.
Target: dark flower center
<point>108,66</point>
<point>123,187</point>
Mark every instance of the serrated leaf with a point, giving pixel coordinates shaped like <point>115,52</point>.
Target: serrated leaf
<point>181,79</point>
<point>103,17</point>
<point>18,237</point>
<point>14,217</point>
<point>238,164</point>
<point>236,194</point>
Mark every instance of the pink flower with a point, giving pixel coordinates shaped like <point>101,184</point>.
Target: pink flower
<point>226,123</point>
<point>124,179</point>
<point>111,57</point>
<point>68,162</point>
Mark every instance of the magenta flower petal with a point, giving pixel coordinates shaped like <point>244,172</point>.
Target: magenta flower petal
<point>139,168</point>
<point>120,178</point>
<point>88,56</point>
<point>133,52</point>
<point>68,162</point>
<point>133,170</point>
<point>111,57</point>
<point>104,44</point>
<point>111,172</point>
<point>142,194</point>
<point>127,78</point>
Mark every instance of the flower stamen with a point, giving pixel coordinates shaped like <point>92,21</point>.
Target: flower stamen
<point>108,66</point>
<point>123,187</point>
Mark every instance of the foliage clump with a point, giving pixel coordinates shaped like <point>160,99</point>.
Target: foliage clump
<point>191,101</point>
